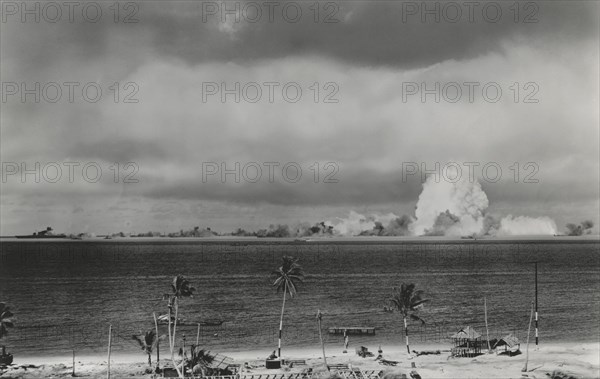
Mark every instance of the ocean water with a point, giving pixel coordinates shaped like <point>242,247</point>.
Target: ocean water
<point>64,294</point>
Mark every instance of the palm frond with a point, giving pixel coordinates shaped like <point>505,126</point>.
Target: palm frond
<point>181,287</point>
<point>5,321</point>
<point>140,341</point>
<point>406,300</point>
<point>288,276</point>
<point>414,317</point>
<point>418,303</point>
<point>150,337</point>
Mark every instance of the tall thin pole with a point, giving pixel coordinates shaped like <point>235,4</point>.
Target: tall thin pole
<point>73,373</point>
<point>157,341</point>
<point>109,346</point>
<point>487,332</point>
<point>319,317</point>
<point>536,305</point>
<point>528,332</point>
<point>198,335</point>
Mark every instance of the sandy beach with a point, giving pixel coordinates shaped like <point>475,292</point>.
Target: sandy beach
<point>577,360</point>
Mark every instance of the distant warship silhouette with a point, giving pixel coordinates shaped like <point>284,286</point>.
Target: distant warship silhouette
<point>43,234</point>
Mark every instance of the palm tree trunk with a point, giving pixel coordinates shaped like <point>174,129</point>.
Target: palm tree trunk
<point>198,335</point>
<point>487,332</point>
<point>528,331</point>
<point>157,340</point>
<point>173,344</point>
<point>281,320</point>
<point>170,339</point>
<point>109,347</point>
<point>406,334</point>
<point>150,360</point>
<point>322,343</point>
<point>175,326</point>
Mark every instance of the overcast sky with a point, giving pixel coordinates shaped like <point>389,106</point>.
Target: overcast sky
<point>365,63</point>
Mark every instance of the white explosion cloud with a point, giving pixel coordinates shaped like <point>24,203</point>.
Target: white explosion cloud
<point>459,209</point>
<point>513,226</point>
<point>463,199</point>
<point>446,209</point>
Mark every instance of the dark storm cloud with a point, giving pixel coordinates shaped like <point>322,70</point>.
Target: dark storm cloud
<point>369,133</point>
<point>372,33</point>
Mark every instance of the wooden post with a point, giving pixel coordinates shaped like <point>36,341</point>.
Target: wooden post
<point>73,373</point>
<point>528,331</point>
<point>198,335</point>
<point>487,332</point>
<point>109,346</point>
<point>536,305</point>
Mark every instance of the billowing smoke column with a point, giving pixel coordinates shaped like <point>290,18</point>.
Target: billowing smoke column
<point>356,224</point>
<point>446,209</point>
<point>450,209</point>
<point>373,225</point>
<point>521,225</point>
<point>577,230</point>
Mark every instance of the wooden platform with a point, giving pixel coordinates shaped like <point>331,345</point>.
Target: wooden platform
<point>352,330</point>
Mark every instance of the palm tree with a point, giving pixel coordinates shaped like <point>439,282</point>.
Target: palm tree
<point>147,342</point>
<point>286,278</point>
<point>407,301</point>
<point>180,287</point>
<point>200,360</point>
<point>319,318</point>
<point>5,323</point>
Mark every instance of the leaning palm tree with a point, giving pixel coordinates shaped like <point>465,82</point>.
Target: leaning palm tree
<point>180,288</point>
<point>5,323</point>
<point>286,278</point>
<point>407,301</point>
<point>147,342</point>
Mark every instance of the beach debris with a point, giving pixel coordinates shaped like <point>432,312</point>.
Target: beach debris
<point>394,375</point>
<point>427,352</point>
<point>560,375</point>
<point>386,362</point>
<point>363,352</point>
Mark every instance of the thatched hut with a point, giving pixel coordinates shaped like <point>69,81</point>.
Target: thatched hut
<point>467,343</point>
<point>511,345</point>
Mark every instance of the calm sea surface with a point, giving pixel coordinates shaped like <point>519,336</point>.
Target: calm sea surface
<point>64,294</point>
